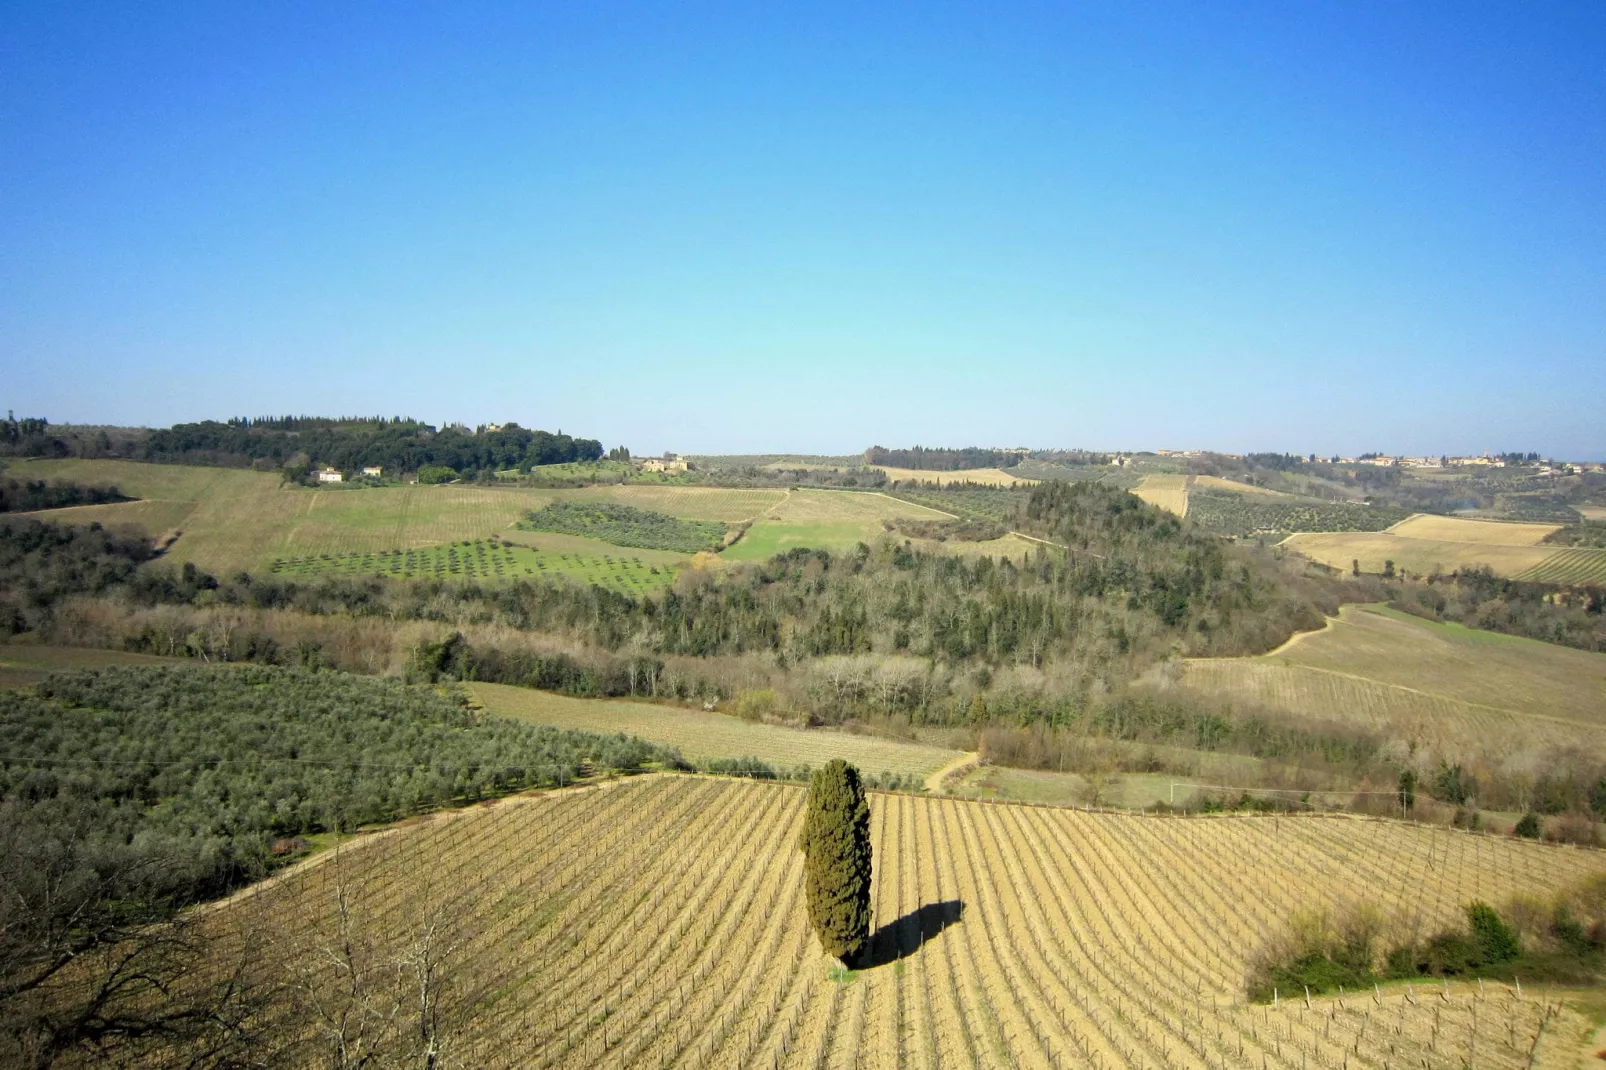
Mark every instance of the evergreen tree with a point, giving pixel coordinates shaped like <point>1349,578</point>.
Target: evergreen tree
<point>836,848</point>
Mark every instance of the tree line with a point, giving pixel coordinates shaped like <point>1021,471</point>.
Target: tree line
<point>941,460</point>
<point>19,496</point>
<point>399,444</point>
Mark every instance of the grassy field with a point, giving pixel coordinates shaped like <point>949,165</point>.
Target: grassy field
<point>171,482</point>
<point>1453,688</point>
<point>1012,546</point>
<point>1232,486</point>
<point>156,516</point>
<point>1477,532</point>
<point>699,734</point>
<point>660,921</point>
<point>240,519</point>
<point>489,562</point>
<point>992,477</point>
<point>824,519</point>
<point>690,503</point>
<point>25,664</point>
<point>1169,492</point>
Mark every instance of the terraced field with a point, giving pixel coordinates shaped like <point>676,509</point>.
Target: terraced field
<point>660,922</point>
<point>699,734</point>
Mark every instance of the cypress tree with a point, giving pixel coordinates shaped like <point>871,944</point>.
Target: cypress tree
<point>836,869</point>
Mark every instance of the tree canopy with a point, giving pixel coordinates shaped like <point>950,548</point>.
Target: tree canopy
<point>837,867</point>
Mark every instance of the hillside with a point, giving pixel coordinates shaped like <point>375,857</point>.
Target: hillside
<point>660,922</point>
<point>1461,694</point>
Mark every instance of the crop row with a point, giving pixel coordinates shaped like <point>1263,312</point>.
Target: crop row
<point>660,923</point>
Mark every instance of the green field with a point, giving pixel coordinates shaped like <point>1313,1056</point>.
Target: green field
<point>236,519</point>
<point>834,520</point>
<point>484,561</point>
<point>1441,685</point>
<point>699,734</point>
<point>766,538</point>
<point>25,664</point>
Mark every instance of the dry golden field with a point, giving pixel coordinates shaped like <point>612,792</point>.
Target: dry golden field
<point>1450,688</point>
<point>1168,492</point>
<point>700,734</point>
<point>659,922</point>
<point>1423,544</point>
<point>1339,549</point>
<point>992,477</point>
<point>1478,532</point>
<point>1591,512</point>
<point>1234,487</point>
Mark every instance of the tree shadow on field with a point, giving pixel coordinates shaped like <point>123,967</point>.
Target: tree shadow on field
<point>902,938</point>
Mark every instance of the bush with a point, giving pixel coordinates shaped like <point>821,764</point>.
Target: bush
<point>1528,828</point>
<point>1496,941</point>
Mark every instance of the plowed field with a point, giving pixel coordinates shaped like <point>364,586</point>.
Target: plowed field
<point>661,923</point>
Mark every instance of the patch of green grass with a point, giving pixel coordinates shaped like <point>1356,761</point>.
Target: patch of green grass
<point>842,975</point>
<point>766,538</point>
<point>484,561</point>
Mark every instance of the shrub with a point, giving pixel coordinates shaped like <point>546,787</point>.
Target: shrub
<point>1496,941</point>
<point>1528,827</point>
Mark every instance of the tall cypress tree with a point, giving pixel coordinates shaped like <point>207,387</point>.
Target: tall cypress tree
<point>836,850</point>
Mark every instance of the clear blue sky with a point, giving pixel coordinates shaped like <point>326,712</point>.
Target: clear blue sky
<point>748,228</point>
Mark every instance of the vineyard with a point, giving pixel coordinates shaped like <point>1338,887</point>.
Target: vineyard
<point>1445,725</point>
<point>1449,687</point>
<point>659,922</point>
<point>1570,566</point>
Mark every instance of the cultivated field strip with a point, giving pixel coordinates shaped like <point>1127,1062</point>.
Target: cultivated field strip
<point>699,734</point>
<point>1447,725</point>
<point>659,922</point>
<point>1578,565</point>
<point>1169,492</point>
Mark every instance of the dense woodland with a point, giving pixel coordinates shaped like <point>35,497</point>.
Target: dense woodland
<point>398,444</point>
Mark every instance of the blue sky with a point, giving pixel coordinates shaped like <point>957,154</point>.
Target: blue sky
<point>755,228</point>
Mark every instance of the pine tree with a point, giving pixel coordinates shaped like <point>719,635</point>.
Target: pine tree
<point>836,849</point>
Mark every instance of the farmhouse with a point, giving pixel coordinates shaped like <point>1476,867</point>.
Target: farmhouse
<point>665,464</point>
<point>329,475</point>
<point>373,470</point>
